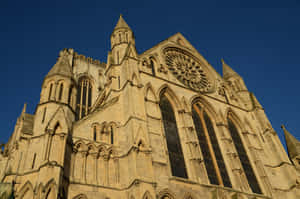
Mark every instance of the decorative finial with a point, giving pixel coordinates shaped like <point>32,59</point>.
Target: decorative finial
<point>121,15</point>
<point>24,108</point>
<point>283,127</point>
<point>222,60</point>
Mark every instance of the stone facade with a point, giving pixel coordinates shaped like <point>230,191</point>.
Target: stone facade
<point>108,131</point>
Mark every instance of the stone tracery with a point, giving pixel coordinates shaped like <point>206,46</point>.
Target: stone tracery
<point>187,69</point>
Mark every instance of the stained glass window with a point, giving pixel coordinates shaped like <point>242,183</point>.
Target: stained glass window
<point>173,141</point>
<point>84,98</point>
<point>243,158</point>
<point>213,159</point>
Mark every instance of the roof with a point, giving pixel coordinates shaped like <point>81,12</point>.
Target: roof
<point>121,24</point>
<point>62,67</point>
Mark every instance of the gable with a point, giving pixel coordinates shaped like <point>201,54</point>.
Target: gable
<point>176,60</point>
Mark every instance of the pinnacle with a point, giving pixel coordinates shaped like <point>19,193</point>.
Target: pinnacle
<point>121,23</point>
<point>227,70</point>
<point>292,144</point>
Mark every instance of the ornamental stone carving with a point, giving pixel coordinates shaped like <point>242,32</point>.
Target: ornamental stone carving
<point>187,69</point>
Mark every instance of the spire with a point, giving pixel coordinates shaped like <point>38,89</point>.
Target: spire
<point>292,144</point>
<point>62,66</point>
<point>24,108</point>
<point>121,23</point>
<point>255,102</point>
<point>227,70</point>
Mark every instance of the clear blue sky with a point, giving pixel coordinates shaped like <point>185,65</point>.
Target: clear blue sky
<point>259,39</point>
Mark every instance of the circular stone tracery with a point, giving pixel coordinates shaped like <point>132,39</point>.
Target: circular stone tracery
<point>187,69</point>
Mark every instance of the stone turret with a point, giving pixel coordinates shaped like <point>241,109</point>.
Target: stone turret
<point>121,37</point>
<point>58,90</point>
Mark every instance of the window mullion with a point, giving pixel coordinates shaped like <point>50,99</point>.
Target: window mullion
<point>87,97</point>
<point>81,96</point>
<point>200,112</point>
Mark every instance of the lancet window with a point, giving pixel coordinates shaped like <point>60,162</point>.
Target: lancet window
<point>50,91</point>
<point>61,88</point>
<point>213,159</point>
<point>152,65</point>
<point>84,98</point>
<point>243,157</point>
<point>173,141</point>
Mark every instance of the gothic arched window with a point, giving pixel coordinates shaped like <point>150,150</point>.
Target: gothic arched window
<point>61,88</point>
<point>152,65</point>
<point>50,91</point>
<point>213,159</point>
<point>243,157</point>
<point>173,141</point>
<point>84,98</point>
<point>111,135</point>
<point>95,133</point>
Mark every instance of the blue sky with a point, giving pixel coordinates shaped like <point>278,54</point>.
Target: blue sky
<point>258,39</point>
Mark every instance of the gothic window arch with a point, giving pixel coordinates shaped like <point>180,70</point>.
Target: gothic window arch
<point>61,89</point>
<point>95,131</point>
<point>241,151</point>
<point>50,91</point>
<point>70,95</point>
<point>213,159</point>
<point>176,158</point>
<point>152,65</point>
<point>111,135</point>
<point>84,97</point>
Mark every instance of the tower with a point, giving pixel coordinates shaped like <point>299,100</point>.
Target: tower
<point>161,124</point>
<point>121,37</point>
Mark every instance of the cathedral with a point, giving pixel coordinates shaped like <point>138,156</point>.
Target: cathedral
<point>162,124</point>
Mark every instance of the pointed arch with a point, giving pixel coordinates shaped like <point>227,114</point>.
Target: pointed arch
<point>177,162</point>
<point>209,145</point>
<point>102,148</point>
<point>207,105</point>
<point>51,183</point>
<point>166,193</point>
<point>230,113</point>
<point>95,131</point>
<point>92,148</point>
<point>153,65</point>
<point>147,195</point>
<point>60,92</point>
<point>26,192</point>
<point>189,196</point>
<point>59,117</point>
<point>149,93</point>
<point>57,128</point>
<point>84,97</point>
<point>134,79</point>
<point>50,189</point>
<point>140,138</point>
<point>234,128</point>
<point>170,94</point>
<point>50,91</point>
<point>80,196</point>
<point>39,191</point>
<point>80,145</point>
<point>111,127</point>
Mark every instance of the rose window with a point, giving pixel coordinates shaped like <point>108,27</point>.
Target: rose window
<point>187,69</point>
